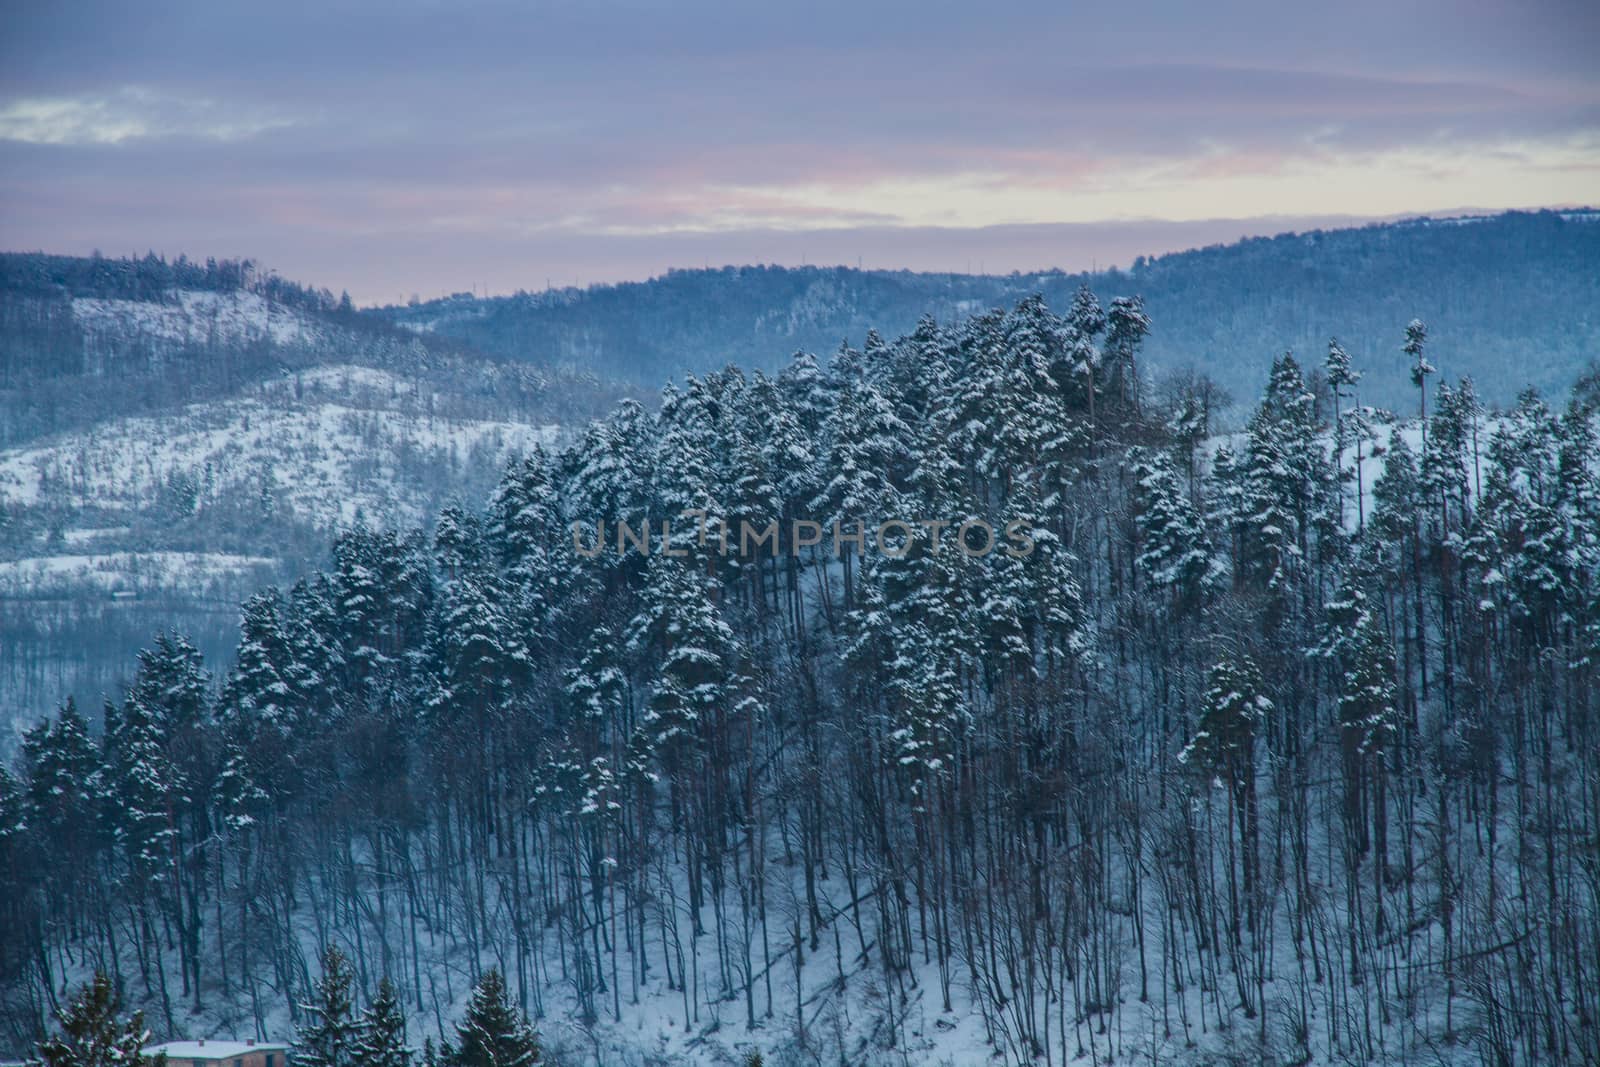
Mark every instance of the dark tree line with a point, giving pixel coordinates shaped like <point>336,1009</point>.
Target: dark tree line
<point>1247,743</point>
<point>154,278</point>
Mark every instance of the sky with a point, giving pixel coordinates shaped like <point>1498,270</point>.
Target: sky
<point>424,148</point>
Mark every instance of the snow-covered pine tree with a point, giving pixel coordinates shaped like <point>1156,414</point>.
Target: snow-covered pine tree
<point>1392,547</point>
<point>146,788</point>
<point>1397,493</point>
<point>317,664</point>
<point>1233,709</point>
<point>241,801</point>
<point>1085,322</point>
<point>1447,464</point>
<point>257,690</point>
<point>524,522</point>
<point>866,447</point>
<point>610,476</point>
<point>681,625</point>
<point>63,774</point>
<point>1342,379</point>
<point>1578,500</point>
<point>1284,507</point>
<point>1174,551</point>
<point>493,1033</point>
<point>805,390</point>
<point>62,801</point>
<point>480,654</point>
<point>380,1039</point>
<point>1527,558</point>
<point>1416,342</point>
<point>362,604</point>
<point>689,476</point>
<point>1126,327</point>
<point>94,1033</point>
<point>331,1033</point>
<point>458,541</point>
<point>1031,428</point>
<point>866,450</point>
<point>913,630</point>
<point>920,369</point>
<point>1364,665</point>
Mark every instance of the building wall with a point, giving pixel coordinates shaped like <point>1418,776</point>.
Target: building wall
<point>253,1058</point>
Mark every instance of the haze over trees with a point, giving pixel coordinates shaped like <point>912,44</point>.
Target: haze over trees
<point>1282,743</point>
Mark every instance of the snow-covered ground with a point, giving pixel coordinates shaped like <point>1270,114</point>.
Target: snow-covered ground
<point>327,443</point>
<point>169,520</point>
<point>196,317</point>
<point>121,572</point>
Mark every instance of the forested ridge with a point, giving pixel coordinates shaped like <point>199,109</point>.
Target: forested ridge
<point>1513,296</point>
<point>1266,750</point>
<point>84,340</point>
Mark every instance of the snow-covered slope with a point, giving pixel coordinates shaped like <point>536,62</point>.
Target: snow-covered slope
<point>189,316</point>
<point>326,444</point>
<point>121,573</point>
<point>140,523</point>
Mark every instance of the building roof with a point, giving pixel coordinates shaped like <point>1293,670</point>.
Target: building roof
<point>211,1050</point>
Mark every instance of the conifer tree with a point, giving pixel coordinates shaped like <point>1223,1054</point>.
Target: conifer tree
<point>695,646</point>
<point>331,1034</point>
<point>1342,377</point>
<point>1416,342</point>
<point>147,788</point>
<point>523,520</point>
<point>493,1033</point>
<point>381,1032</point>
<point>94,1033</point>
<point>63,780</point>
<point>1126,327</point>
<point>1368,708</point>
<point>1085,322</point>
<point>1233,716</point>
<point>1174,551</point>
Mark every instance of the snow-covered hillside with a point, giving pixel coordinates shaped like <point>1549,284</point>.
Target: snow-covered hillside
<point>140,523</point>
<point>326,444</point>
<point>120,573</point>
<point>192,317</point>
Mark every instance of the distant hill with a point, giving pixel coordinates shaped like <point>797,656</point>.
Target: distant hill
<point>85,339</point>
<point>173,436</point>
<point>1510,299</point>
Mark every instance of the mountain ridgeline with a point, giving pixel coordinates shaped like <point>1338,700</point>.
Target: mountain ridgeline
<point>1512,300</point>
<point>84,340</point>
<point>1285,749</point>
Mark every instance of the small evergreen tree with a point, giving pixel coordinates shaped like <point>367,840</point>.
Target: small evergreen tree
<point>1416,341</point>
<point>494,1034</point>
<point>93,1033</point>
<point>382,1038</point>
<point>330,1037</point>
